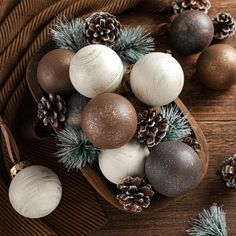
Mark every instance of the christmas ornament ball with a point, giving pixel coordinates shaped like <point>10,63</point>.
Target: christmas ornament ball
<point>173,168</point>
<point>157,79</point>
<point>191,32</point>
<point>35,191</point>
<point>109,120</point>
<point>216,67</point>
<point>96,69</point>
<point>75,105</point>
<point>127,160</point>
<point>53,72</point>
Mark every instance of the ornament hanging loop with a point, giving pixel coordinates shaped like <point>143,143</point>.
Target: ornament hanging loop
<point>12,149</point>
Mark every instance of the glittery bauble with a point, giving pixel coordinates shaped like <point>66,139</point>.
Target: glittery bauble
<point>75,105</point>
<point>191,32</point>
<point>157,79</point>
<point>173,168</point>
<point>53,72</point>
<point>96,69</point>
<point>35,191</point>
<point>216,67</point>
<point>119,163</point>
<point>109,120</point>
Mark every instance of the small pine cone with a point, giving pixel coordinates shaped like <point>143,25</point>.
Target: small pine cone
<point>152,127</point>
<point>193,143</point>
<point>52,110</point>
<point>229,172</point>
<point>184,5</point>
<point>102,28</point>
<point>135,194</point>
<point>224,25</point>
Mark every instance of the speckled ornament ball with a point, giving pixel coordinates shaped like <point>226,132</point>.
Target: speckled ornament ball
<point>75,105</point>
<point>109,120</point>
<point>96,69</point>
<point>157,79</point>
<point>128,160</point>
<point>53,72</point>
<point>35,191</point>
<point>191,32</point>
<point>216,67</point>
<point>173,168</point>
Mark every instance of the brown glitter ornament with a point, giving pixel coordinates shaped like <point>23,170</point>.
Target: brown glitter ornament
<point>193,143</point>
<point>216,67</point>
<point>52,110</point>
<point>109,120</point>
<point>102,28</point>
<point>184,5</point>
<point>135,194</point>
<point>224,25</point>
<point>152,127</point>
<point>229,171</point>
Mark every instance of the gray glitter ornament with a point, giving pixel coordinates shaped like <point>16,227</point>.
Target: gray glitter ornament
<point>173,168</point>
<point>75,105</point>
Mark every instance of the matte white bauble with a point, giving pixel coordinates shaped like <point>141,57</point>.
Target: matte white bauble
<point>128,160</point>
<point>95,69</point>
<point>157,79</point>
<point>35,191</point>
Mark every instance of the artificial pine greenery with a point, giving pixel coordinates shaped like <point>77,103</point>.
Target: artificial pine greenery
<point>75,151</point>
<point>134,42</point>
<point>210,223</point>
<point>179,128</point>
<point>69,34</point>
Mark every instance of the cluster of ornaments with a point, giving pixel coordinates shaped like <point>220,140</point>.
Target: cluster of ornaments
<point>192,31</point>
<point>133,153</point>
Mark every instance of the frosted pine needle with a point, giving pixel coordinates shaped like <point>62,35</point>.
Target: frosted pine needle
<point>179,127</point>
<point>75,151</point>
<point>69,34</point>
<point>134,42</point>
<point>210,223</point>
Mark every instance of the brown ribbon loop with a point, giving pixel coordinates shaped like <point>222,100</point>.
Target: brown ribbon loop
<point>11,145</point>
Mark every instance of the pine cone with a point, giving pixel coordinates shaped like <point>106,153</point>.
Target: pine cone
<point>224,25</point>
<point>152,127</point>
<point>229,172</point>
<point>193,143</point>
<point>135,194</point>
<point>184,5</point>
<point>102,28</point>
<point>52,110</point>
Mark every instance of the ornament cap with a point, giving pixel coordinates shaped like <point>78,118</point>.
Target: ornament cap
<point>18,167</point>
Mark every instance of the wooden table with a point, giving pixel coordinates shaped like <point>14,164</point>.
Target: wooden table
<point>216,114</point>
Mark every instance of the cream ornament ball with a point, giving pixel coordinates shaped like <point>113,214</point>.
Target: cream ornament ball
<point>35,191</point>
<point>95,69</point>
<point>157,79</point>
<point>128,160</point>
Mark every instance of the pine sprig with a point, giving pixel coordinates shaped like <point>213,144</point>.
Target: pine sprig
<point>210,223</point>
<point>179,127</point>
<point>69,34</point>
<point>75,151</point>
<point>134,42</point>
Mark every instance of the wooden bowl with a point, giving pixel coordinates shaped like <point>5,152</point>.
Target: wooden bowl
<point>93,174</point>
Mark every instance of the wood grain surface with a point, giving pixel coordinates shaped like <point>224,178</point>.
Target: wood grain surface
<point>216,114</point>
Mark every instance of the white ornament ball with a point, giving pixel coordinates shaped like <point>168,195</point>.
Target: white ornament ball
<point>157,79</point>
<point>35,191</point>
<point>96,69</point>
<point>128,160</point>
